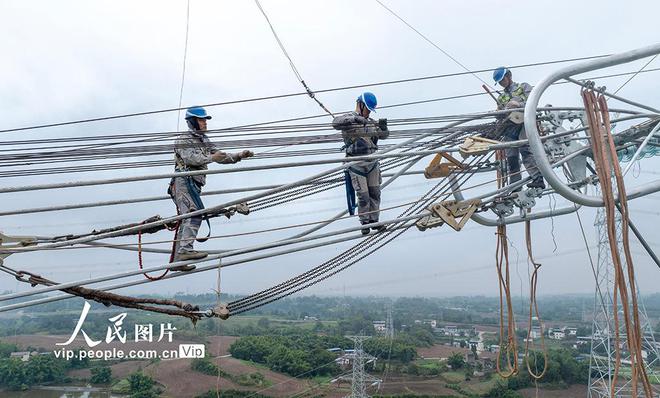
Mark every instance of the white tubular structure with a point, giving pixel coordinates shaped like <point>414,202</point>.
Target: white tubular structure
<point>536,145</point>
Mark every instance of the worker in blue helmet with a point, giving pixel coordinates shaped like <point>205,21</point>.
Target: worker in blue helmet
<point>514,96</point>
<point>361,134</point>
<point>193,151</point>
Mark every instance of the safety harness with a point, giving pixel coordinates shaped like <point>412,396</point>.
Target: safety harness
<point>351,201</point>
<point>505,97</point>
<point>193,187</point>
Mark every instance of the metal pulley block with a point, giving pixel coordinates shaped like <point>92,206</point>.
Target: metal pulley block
<point>525,199</point>
<point>503,207</point>
<point>437,168</point>
<point>475,145</point>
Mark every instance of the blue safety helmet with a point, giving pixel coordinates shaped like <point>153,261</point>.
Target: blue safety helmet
<point>197,111</point>
<point>369,100</point>
<point>499,73</point>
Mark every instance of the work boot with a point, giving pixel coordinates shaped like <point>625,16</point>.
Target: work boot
<point>379,228</point>
<point>365,231</point>
<point>189,255</point>
<point>184,268</point>
<point>537,183</point>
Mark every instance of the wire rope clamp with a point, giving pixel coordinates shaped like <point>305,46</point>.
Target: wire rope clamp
<point>243,208</point>
<point>221,311</point>
<point>475,145</point>
<point>455,213</point>
<point>437,168</point>
<point>427,222</point>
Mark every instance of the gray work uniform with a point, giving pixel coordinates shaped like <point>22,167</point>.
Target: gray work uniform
<point>512,132</point>
<point>192,152</point>
<point>360,140</point>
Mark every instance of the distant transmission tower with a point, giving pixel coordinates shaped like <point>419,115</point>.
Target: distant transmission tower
<point>603,344</point>
<point>389,323</point>
<point>358,377</point>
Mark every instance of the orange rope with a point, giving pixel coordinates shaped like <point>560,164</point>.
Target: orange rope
<point>607,167</point>
<point>533,306</point>
<point>510,349</point>
<point>636,327</point>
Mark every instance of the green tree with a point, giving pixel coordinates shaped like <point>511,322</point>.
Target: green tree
<point>456,361</point>
<point>6,349</point>
<point>502,390</point>
<point>78,363</point>
<point>142,386</point>
<point>101,375</point>
<point>18,375</point>
<point>291,362</point>
<point>204,365</point>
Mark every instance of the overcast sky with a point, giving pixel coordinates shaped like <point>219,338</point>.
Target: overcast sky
<point>68,60</point>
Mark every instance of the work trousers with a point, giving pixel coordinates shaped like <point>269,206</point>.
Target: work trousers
<point>188,228</point>
<point>514,132</point>
<point>366,180</point>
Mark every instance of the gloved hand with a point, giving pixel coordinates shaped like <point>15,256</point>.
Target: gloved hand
<point>513,104</point>
<point>246,154</point>
<point>382,124</point>
<point>242,155</point>
<point>360,120</point>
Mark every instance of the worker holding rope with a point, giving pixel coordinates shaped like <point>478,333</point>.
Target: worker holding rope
<point>361,135</point>
<point>193,151</point>
<point>513,129</point>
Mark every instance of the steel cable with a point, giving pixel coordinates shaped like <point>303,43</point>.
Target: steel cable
<point>257,299</point>
<point>289,95</point>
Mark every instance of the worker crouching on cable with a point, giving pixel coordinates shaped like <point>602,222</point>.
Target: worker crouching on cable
<point>361,135</point>
<point>514,96</point>
<point>193,151</point>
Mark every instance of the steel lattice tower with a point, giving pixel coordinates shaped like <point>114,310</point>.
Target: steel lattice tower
<point>389,323</point>
<point>603,350</point>
<point>358,377</point>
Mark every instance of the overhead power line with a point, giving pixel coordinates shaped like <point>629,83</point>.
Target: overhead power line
<point>636,73</point>
<point>431,42</point>
<point>291,63</point>
<point>289,95</point>
<point>183,69</point>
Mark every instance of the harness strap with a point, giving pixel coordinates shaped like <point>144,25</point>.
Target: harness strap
<point>362,173</point>
<point>195,191</point>
<point>350,193</point>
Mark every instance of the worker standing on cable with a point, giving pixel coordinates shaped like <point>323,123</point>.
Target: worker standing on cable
<point>361,135</point>
<point>194,151</point>
<point>514,96</point>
